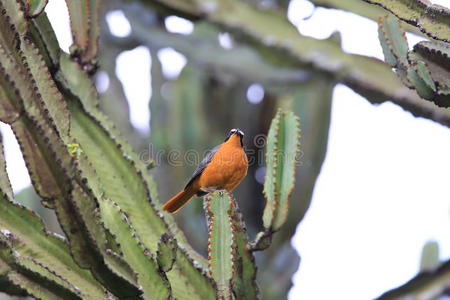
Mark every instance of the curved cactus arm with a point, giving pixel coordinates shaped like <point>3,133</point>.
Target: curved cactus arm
<point>435,60</point>
<point>239,61</point>
<point>426,285</point>
<point>420,78</point>
<point>425,69</point>
<point>283,143</point>
<point>221,242</point>
<point>278,41</point>
<point>35,7</point>
<point>153,282</point>
<point>244,279</point>
<point>393,41</point>
<point>85,27</point>
<point>363,9</point>
<point>434,20</point>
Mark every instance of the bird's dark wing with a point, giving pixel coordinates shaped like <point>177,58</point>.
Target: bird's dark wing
<point>205,161</point>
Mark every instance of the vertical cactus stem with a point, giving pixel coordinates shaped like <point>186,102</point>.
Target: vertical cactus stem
<point>393,41</point>
<point>388,56</point>
<point>221,242</point>
<point>281,154</point>
<point>270,191</point>
<point>85,31</point>
<point>244,276</point>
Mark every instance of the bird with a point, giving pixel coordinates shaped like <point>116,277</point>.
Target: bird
<point>222,169</point>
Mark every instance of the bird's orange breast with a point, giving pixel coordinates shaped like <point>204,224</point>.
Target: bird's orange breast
<point>227,168</point>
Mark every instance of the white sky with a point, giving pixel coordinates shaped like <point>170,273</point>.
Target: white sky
<point>383,189</point>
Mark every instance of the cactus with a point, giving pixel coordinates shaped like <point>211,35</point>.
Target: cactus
<point>430,19</point>
<point>84,16</point>
<point>363,9</point>
<point>425,68</point>
<point>428,284</point>
<point>35,7</point>
<point>430,256</point>
<point>282,150</point>
<point>118,242</point>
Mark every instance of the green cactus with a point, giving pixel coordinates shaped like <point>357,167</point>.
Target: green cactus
<point>282,149</point>
<point>434,19</point>
<point>118,242</point>
<point>35,7</point>
<point>221,244</point>
<point>430,256</point>
<point>425,68</point>
<point>84,20</point>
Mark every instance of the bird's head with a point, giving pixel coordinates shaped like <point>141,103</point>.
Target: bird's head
<point>235,133</point>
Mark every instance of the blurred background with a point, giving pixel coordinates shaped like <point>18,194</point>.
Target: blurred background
<point>371,192</point>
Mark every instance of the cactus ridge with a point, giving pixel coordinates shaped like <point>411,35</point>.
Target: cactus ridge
<point>33,268</point>
<point>425,68</point>
<point>244,275</point>
<point>221,242</point>
<point>140,258</point>
<point>85,31</point>
<point>432,20</point>
<point>282,151</point>
<point>41,239</point>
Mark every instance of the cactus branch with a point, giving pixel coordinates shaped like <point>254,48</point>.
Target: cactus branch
<point>221,243</point>
<point>434,20</point>
<point>426,285</point>
<point>268,30</point>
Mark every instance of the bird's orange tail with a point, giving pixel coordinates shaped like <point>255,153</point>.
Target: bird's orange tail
<point>180,199</point>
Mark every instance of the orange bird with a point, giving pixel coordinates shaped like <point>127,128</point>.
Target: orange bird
<point>223,168</point>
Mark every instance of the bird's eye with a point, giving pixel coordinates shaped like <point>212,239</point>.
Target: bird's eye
<point>233,130</point>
